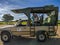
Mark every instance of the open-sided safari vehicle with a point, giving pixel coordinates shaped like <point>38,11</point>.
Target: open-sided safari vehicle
<point>41,23</point>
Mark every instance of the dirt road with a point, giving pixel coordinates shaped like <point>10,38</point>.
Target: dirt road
<point>30,41</point>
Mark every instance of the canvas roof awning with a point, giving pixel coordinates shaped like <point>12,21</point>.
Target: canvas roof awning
<point>44,9</point>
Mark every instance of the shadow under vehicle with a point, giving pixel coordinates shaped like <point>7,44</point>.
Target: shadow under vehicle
<point>38,29</point>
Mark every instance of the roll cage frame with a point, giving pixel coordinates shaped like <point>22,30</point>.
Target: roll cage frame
<point>44,9</point>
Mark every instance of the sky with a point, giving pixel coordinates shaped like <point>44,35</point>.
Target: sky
<point>7,5</point>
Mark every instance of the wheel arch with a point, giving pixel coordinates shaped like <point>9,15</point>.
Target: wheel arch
<point>41,31</point>
<point>6,31</point>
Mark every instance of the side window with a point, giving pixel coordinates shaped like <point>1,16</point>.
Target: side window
<point>49,18</point>
<point>36,19</point>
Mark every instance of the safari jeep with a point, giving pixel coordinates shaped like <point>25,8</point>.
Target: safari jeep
<point>40,29</point>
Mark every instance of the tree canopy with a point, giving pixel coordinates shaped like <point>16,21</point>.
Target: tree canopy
<point>7,17</point>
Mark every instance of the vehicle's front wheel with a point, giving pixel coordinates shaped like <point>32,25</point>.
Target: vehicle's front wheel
<point>5,36</point>
<point>41,37</point>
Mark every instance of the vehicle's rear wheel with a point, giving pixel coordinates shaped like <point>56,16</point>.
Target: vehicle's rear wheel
<point>5,36</point>
<point>41,37</point>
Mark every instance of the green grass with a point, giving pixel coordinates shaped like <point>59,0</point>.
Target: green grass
<point>11,23</point>
<point>14,22</point>
<point>4,23</point>
<point>58,22</point>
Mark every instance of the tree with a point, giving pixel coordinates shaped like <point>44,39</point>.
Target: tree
<point>7,18</point>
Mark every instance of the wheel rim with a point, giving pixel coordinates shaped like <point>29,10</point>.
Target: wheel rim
<point>5,37</point>
<point>41,37</point>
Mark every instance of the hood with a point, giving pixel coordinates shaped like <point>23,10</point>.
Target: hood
<point>7,26</point>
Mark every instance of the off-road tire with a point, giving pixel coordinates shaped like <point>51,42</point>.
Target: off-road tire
<point>5,36</point>
<point>41,37</point>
